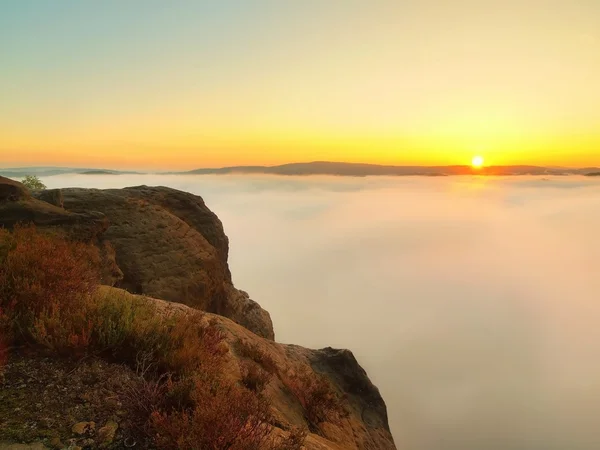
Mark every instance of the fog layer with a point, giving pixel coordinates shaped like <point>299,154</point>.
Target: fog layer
<point>473,303</point>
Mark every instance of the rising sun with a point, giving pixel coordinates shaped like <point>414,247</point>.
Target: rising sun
<point>477,161</point>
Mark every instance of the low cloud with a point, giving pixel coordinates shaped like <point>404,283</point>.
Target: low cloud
<point>473,303</point>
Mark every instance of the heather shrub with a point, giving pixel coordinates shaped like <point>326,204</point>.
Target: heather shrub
<point>224,416</point>
<point>45,283</point>
<point>192,346</point>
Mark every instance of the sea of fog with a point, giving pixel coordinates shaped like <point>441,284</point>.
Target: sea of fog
<point>473,303</point>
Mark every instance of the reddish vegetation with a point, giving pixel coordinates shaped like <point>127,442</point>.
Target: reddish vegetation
<point>318,399</point>
<point>42,277</point>
<point>224,417</point>
<point>183,398</point>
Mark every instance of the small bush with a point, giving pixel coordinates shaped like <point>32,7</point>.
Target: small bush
<point>194,346</point>
<point>318,398</point>
<point>33,182</point>
<point>247,349</point>
<point>253,377</point>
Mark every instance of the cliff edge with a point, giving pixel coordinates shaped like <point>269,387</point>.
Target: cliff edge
<point>165,249</point>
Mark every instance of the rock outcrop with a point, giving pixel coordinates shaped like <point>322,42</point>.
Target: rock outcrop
<point>160,243</point>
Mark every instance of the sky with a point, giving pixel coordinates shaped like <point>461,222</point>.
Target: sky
<point>188,84</point>
<point>471,302</point>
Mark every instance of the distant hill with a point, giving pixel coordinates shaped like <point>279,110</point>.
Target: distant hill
<point>103,172</point>
<point>20,172</point>
<point>359,170</point>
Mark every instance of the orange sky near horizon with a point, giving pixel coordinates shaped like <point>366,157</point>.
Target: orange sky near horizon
<point>194,84</point>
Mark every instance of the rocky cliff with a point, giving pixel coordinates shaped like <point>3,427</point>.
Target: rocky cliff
<point>167,248</point>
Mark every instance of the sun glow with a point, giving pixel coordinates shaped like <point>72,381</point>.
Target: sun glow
<point>477,162</point>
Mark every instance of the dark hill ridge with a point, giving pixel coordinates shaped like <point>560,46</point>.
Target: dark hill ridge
<point>169,245</point>
<point>326,168</point>
<point>359,169</point>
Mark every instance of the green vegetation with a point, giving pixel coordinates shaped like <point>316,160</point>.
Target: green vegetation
<point>33,182</point>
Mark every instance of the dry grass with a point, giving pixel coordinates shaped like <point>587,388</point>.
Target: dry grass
<point>247,349</point>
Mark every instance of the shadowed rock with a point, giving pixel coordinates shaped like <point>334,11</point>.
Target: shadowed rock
<point>342,366</point>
